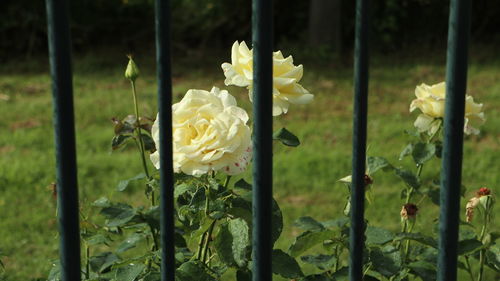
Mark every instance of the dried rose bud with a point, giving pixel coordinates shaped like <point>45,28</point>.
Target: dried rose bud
<point>483,191</point>
<point>368,180</point>
<point>469,208</point>
<point>409,211</point>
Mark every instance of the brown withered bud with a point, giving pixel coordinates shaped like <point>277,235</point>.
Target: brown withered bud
<point>483,191</point>
<point>469,208</point>
<point>409,211</point>
<point>368,180</point>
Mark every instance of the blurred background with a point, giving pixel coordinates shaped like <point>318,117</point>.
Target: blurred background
<point>408,47</point>
<point>208,25</point>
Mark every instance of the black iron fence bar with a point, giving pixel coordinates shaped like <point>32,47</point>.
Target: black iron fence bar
<point>64,126</point>
<point>456,85</point>
<point>356,240</point>
<point>162,12</point>
<point>262,41</point>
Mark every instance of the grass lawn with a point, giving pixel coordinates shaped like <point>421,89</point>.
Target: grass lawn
<point>305,178</point>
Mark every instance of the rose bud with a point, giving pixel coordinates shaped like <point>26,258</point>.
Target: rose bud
<point>409,211</point>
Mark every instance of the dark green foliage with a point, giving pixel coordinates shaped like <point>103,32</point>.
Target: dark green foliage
<point>286,137</point>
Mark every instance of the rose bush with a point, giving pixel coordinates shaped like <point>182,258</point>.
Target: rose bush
<point>209,134</point>
<point>431,101</point>
<point>286,77</point>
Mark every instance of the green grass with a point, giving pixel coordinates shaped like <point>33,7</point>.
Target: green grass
<point>305,178</point>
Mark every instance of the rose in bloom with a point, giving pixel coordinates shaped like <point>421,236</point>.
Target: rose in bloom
<point>209,134</point>
<point>286,77</point>
<point>431,99</point>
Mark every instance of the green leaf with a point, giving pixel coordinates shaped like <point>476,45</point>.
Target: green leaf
<point>376,235</point>
<point>307,240</point>
<point>119,141</point>
<point>308,223</point>
<point>376,163</point>
<point>102,202</point>
<point>130,242</point>
<point>340,222</point>
<point>149,143</point>
<point>98,239</point>
<point>182,189</point>
<point>152,217</point>
<point>55,272</point>
<point>152,276</point>
<point>406,151</point>
<point>243,185</point>
<point>193,270</point>
<point>118,214</point>
<point>317,277</point>
<point>469,246</point>
<point>122,185</point>
<point>323,262</point>
<point>103,261</point>
<point>419,237</point>
<point>243,275</point>
<point>241,241</point>
<point>341,275</point>
<point>493,258</point>
<point>223,244</point>
<point>423,152</point>
<point>286,137</point>
<point>423,269</point>
<point>129,272</point>
<point>408,177</point>
<point>277,222</point>
<point>285,266</point>
<point>386,261</point>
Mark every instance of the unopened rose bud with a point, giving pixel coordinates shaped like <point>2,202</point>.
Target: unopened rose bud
<point>132,72</point>
<point>483,191</point>
<point>409,211</point>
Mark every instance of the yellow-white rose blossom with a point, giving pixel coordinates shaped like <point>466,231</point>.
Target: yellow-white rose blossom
<point>209,134</point>
<point>286,77</point>
<point>431,100</point>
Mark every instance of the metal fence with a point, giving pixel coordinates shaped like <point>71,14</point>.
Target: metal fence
<point>262,23</point>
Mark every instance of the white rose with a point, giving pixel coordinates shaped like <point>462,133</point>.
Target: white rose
<point>286,77</point>
<point>209,134</point>
<point>431,101</point>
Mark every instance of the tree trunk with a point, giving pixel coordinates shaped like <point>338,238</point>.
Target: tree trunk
<point>324,23</point>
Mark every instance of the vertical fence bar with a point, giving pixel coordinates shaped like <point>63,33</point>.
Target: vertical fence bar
<point>456,85</point>
<point>64,126</point>
<point>163,59</point>
<point>262,41</point>
<point>356,240</point>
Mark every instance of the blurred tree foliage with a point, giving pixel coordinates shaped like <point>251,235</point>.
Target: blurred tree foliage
<point>201,24</point>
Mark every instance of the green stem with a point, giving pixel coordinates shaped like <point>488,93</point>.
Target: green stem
<point>207,201</point>
<point>200,245</point>
<point>226,183</point>
<point>469,268</point>
<point>207,241</point>
<point>139,137</point>
<point>481,238</point>
<point>407,246</point>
